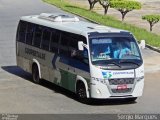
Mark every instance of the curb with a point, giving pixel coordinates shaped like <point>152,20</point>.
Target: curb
<point>153,48</point>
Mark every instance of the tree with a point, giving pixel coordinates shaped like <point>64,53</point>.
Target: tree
<point>152,19</point>
<point>105,4</point>
<point>92,3</point>
<point>125,6</point>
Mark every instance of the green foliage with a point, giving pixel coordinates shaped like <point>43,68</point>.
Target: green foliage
<point>125,6</point>
<point>140,33</point>
<point>152,19</point>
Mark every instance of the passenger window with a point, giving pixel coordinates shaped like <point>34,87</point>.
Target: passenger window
<point>29,34</point>
<point>64,44</point>
<point>73,43</point>
<point>73,47</point>
<point>55,36</point>
<point>22,31</point>
<point>64,40</point>
<point>46,39</point>
<point>37,36</point>
<point>54,41</point>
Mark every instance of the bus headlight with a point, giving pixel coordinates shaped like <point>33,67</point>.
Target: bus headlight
<point>139,78</point>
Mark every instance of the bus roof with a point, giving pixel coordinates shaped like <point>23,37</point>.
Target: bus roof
<point>69,23</point>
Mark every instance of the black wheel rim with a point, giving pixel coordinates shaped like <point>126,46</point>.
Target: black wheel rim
<point>81,92</point>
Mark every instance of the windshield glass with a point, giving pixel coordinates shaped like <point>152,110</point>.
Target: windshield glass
<point>114,50</point>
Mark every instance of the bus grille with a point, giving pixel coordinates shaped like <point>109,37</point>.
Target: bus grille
<point>121,81</point>
<point>121,90</point>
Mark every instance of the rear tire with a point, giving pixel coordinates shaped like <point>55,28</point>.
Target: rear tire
<point>35,74</point>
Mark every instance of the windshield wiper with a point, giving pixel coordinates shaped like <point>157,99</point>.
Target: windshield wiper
<point>115,64</point>
<point>129,62</point>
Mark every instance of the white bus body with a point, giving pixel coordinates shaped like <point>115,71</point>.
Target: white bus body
<point>60,49</point>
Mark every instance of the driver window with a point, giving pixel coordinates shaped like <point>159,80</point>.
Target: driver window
<point>85,56</point>
<point>80,55</point>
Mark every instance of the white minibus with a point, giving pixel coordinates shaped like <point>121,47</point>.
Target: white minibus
<point>91,60</point>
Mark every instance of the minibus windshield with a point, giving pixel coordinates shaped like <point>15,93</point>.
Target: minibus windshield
<point>115,50</point>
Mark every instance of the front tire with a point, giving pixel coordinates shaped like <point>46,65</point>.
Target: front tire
<point>81,92</point>
<point>35,74</point>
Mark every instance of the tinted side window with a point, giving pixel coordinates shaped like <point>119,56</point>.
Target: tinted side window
<point>55,37</point>
<point>73,47</point>
<point>22,31</point>
<point>46,39</point>
<point>74,38</point>
<point>37,36</point>
<point>81,56</point>
<point>29,34</point>
<point>73,42</point>
<point>64,43</point>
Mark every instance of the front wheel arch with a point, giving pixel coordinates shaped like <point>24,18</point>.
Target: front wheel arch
<point>81,79</point>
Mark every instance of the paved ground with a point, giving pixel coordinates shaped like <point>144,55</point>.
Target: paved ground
<point>19,95</point>
<point>10,13</point>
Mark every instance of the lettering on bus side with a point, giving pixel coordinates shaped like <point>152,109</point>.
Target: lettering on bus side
<point>35,53</point>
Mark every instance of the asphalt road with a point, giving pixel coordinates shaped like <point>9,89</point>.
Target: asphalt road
<point>19,95</point>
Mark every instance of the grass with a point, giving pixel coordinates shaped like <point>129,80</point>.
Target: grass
<point>140,33</point>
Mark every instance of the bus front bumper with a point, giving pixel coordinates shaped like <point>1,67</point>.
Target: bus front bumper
<point>102,91</point>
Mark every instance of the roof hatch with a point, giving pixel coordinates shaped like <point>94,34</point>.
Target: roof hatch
<point>58,17</point>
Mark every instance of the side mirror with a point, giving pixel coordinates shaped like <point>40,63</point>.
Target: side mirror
<point>142,44</point>
<point>80,45</point>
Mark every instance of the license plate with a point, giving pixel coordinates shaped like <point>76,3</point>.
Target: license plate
<point>121,87</point>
